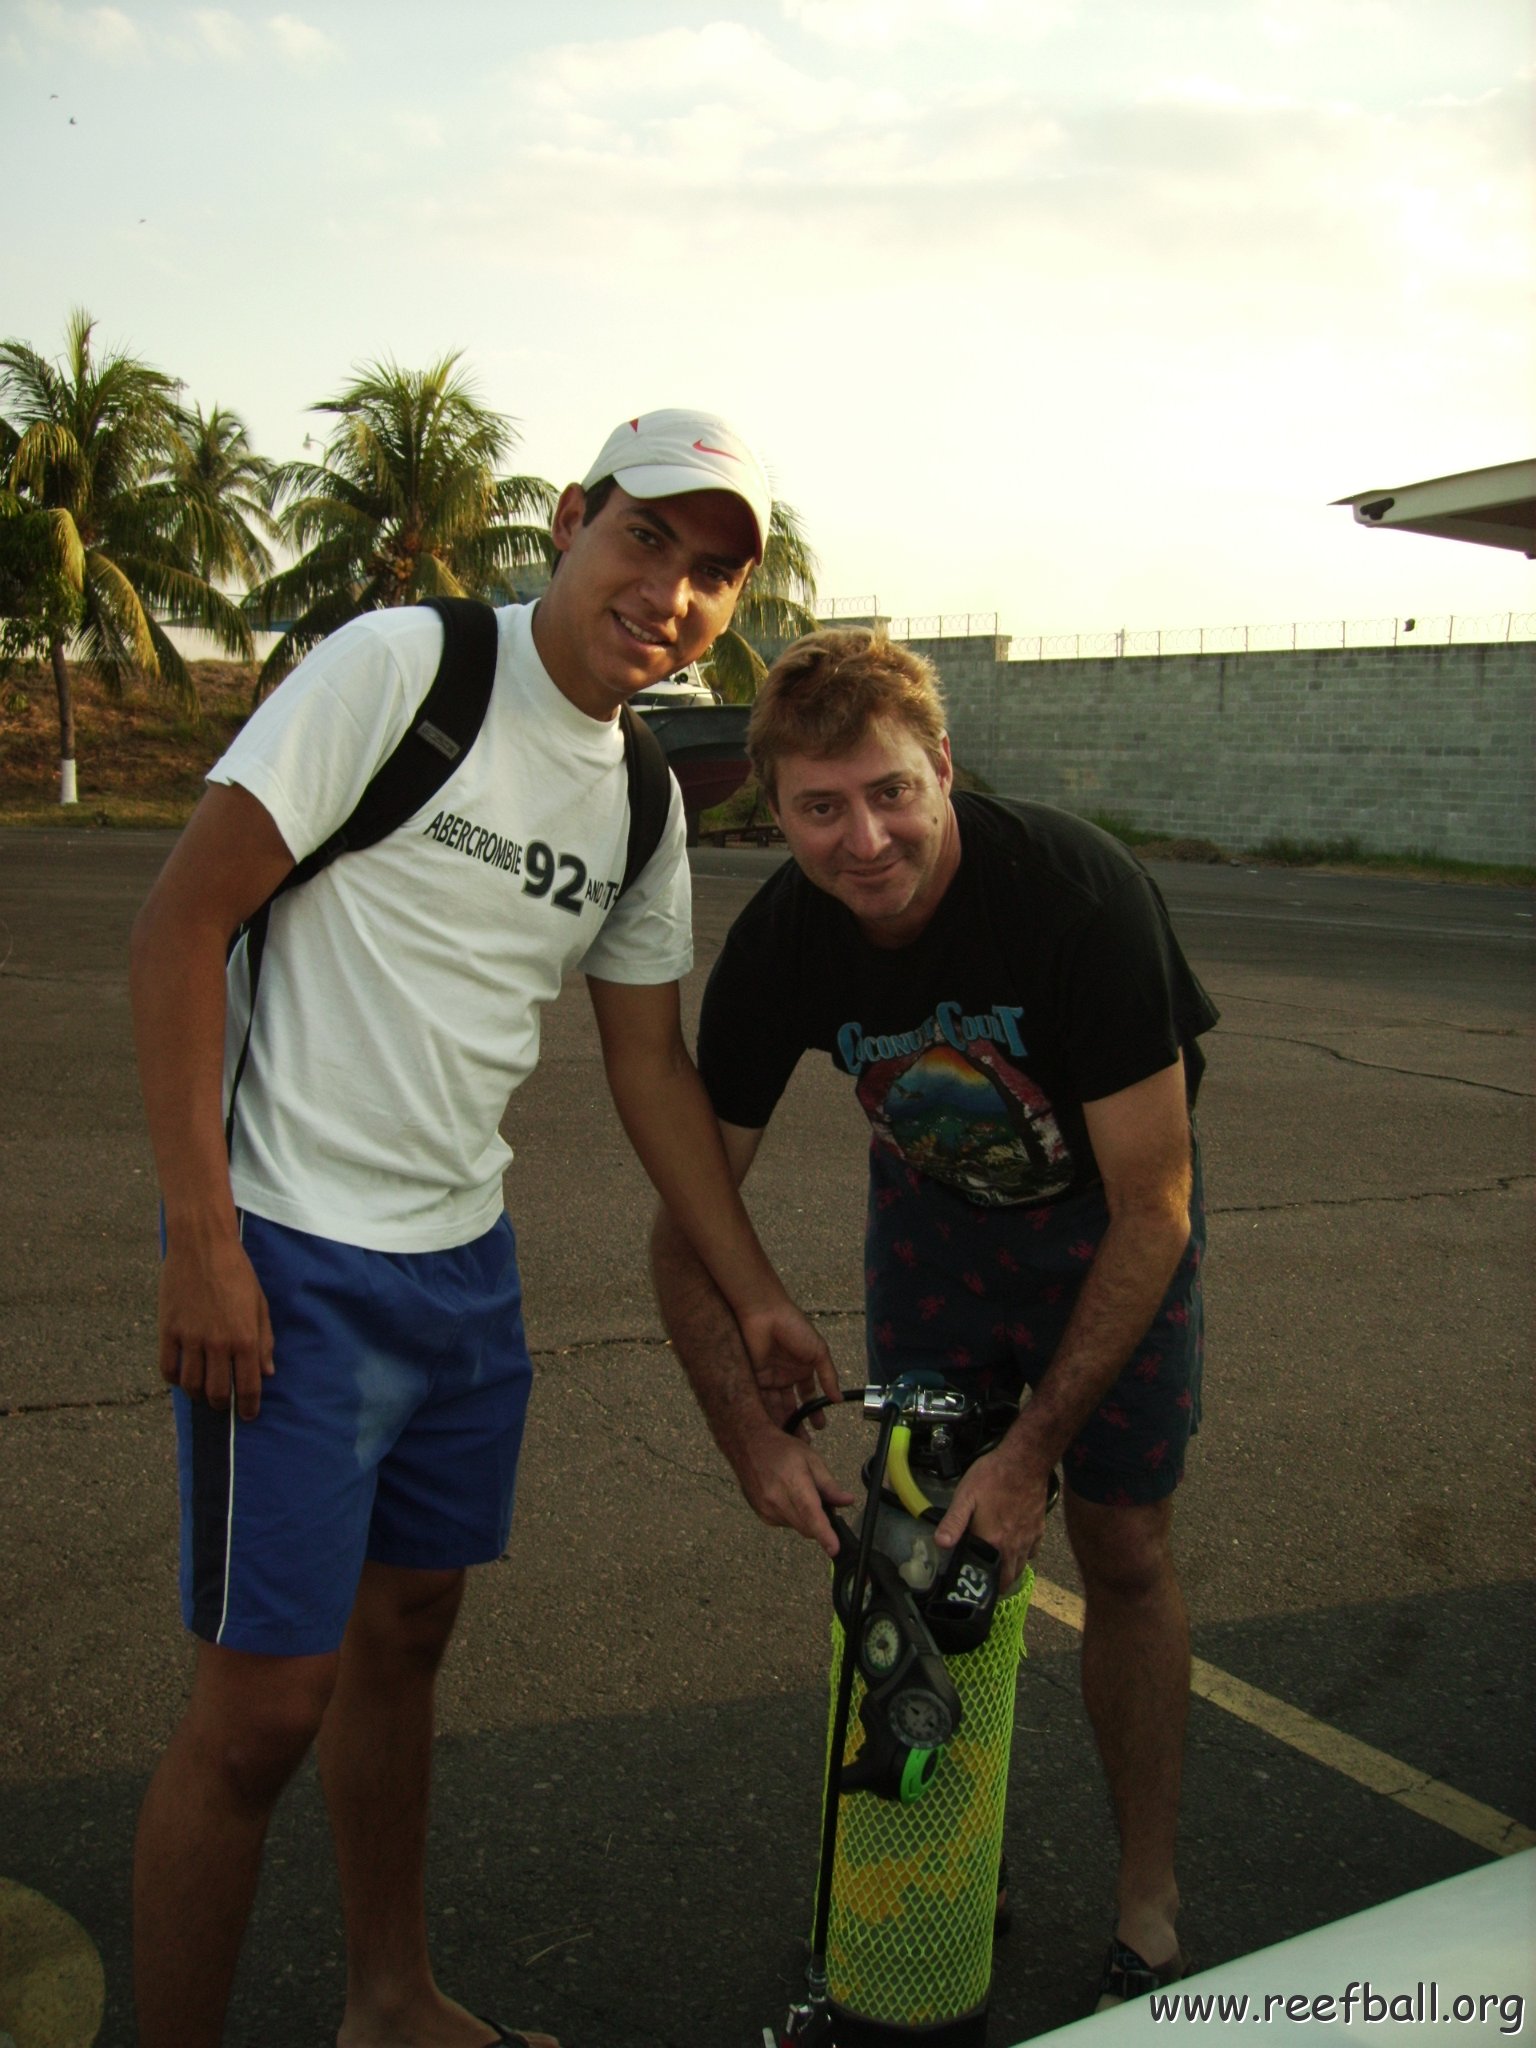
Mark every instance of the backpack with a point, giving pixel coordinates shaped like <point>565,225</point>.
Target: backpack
<point>445,728</point>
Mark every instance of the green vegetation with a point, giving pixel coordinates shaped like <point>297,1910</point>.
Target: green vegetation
<point>220,498</point>
<point>145,759</point>
<point>745,810</point>
<point>777,606</point>
<point>1346,854</point>
<point>124,512</point>
<point>1159,845</point>
<point>407,504</point>
<point>97,554</point>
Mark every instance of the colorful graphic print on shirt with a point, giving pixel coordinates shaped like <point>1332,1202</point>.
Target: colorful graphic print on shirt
<point>950,1100</point>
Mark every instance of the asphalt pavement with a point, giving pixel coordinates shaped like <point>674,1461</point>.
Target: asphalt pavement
<point>633,1714</point>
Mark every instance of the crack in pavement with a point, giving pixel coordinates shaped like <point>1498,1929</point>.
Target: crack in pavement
<point>76,1407</point>
<point>1504,1184</point>
<point>1382,1066</point>
<point>1400,1023</point>
<point>544,1352</point>
<point>720,1481</point>
<point>649,1343</point>
<point>74,977</point>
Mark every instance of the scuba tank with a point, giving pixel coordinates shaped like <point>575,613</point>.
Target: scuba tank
<point>925,1654</point>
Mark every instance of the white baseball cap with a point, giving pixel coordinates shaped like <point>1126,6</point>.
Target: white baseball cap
<point>662,454</point>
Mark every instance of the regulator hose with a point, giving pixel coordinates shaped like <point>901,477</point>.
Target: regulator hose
<point>809,1408</point>
<point>898,1473</point>
<point>816,1973</point>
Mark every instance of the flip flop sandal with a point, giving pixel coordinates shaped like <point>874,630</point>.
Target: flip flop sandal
<point>1128,1975</point>
<point>509,2037</point>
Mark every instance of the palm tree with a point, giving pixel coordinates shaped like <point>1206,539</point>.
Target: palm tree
<point>84,444</point>
<point>39,594</point>
<point>218,498</point>
<point>776,606</point>
<point>407,504</point>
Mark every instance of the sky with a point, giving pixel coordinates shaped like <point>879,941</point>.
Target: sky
<point>1075,311</point>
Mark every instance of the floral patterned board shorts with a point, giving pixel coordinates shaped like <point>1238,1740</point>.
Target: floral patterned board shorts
<point>970,1289</point>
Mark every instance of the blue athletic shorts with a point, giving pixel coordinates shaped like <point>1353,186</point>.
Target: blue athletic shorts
<point>987,1292</point>
<point>389,1430</point>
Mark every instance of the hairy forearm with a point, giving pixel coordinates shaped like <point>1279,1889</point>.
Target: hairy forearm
<point>783,1479</point>
<point>1119,1297</point>
<point>707,1342</point>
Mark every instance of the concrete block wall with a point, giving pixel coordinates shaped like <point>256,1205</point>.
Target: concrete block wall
<point>1427,749</point>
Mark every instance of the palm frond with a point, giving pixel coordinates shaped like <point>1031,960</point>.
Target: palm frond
<point>182,598</point>
<point>100,642</point>
<point>114,594</point>
<point>296,590</point>
<point>172,672</point>
<point>776,606</point>
<point>735,667</point>
<point>525,499</point>
<point>67,544</point>
<point>406,503</point>
<point>435,579</point>
<point>45,450</point>
<point>329,612</point>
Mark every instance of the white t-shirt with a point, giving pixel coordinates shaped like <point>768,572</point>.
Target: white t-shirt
<point>400,989</point>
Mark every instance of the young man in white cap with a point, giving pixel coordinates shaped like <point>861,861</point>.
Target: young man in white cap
<point>340,1310</point>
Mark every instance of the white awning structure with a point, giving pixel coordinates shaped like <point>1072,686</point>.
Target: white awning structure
<point>1495,507</point>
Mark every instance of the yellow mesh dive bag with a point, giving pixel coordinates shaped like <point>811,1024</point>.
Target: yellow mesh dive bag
<point>914,1887</point>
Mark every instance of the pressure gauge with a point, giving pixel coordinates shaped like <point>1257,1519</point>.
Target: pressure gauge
<point>881,1648</point>
<point>920,1719</point>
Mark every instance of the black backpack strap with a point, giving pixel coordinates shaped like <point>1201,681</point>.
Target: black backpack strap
<point>442,732</point>
<point>650,792</point>
<point>254,932</point>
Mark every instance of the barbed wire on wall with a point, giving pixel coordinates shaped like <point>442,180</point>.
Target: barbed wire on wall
<point>945,626</point>
<point>927,626</point>
<point>1445,629</point>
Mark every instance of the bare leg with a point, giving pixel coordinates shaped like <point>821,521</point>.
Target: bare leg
<point>375,1754</point>
<point>1136,1689</point>
<point>247,1727</point>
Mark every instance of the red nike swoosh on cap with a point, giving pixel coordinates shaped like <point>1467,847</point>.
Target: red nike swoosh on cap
<point>704,448</point>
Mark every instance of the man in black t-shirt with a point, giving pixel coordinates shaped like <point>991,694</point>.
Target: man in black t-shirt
<point>1001,983</point>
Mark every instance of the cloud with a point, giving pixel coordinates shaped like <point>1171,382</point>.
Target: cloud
<point>420,129</point>
<point>201,34</point>
<point>220,35</point>
<point>884,24</point>
<point>100,31</point>
<point>112,34</point>
<point>600,86</point>
<point>1000,230</point>
<point>299,43</point>
<point>1293,24</point>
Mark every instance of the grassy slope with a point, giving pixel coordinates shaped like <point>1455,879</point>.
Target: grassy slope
<point>140,762</point>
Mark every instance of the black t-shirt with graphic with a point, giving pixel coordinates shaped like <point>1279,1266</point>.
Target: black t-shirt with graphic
<point>1049,976</point>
